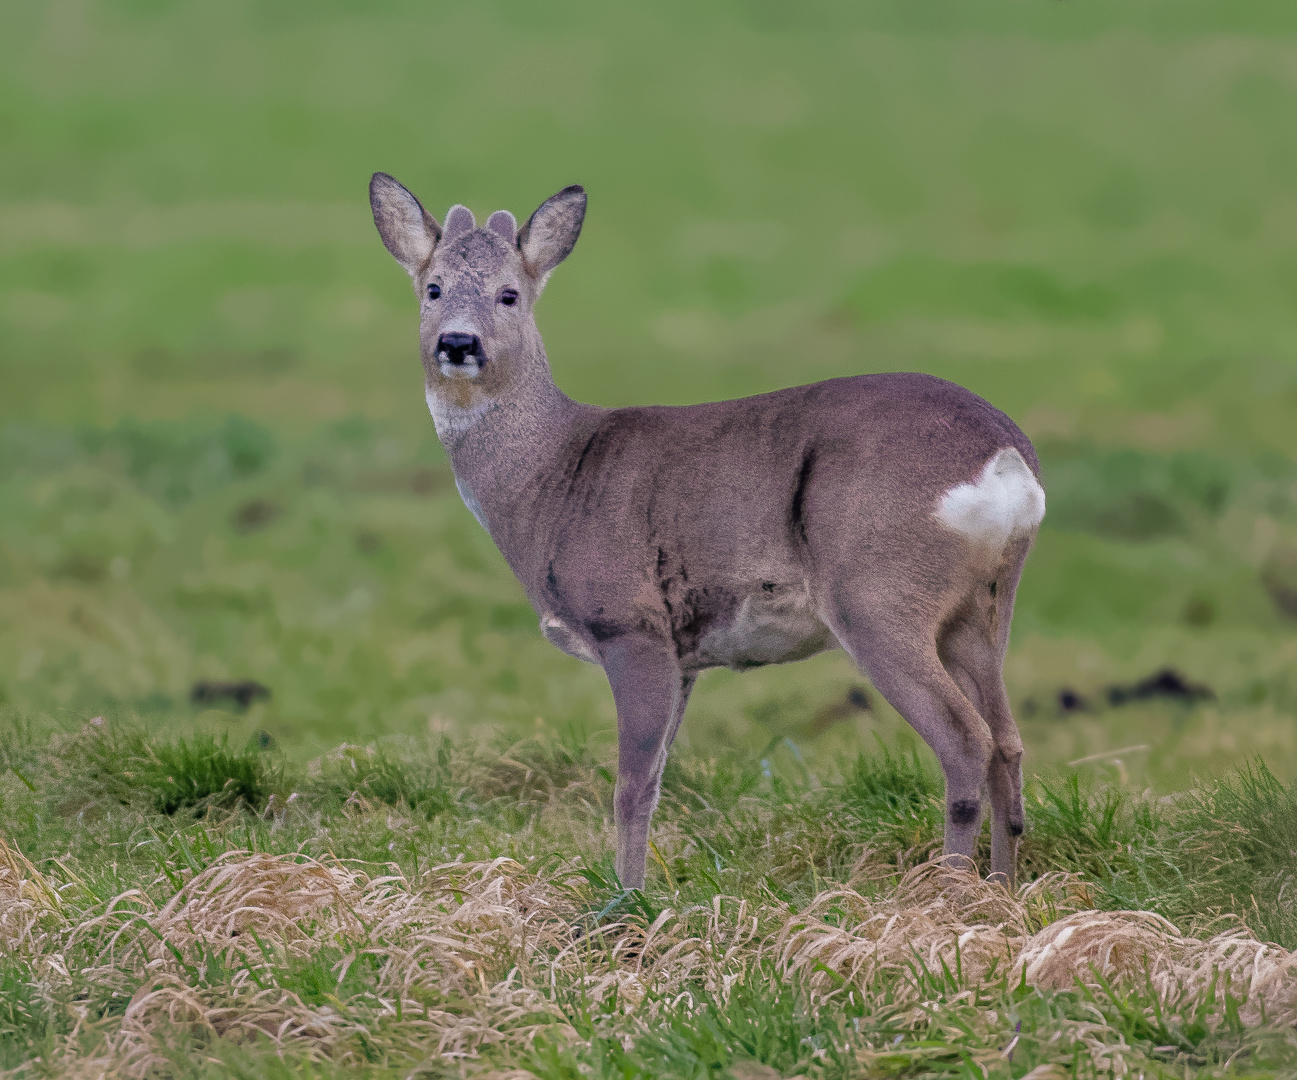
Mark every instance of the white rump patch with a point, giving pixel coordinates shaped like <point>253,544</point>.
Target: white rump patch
<point>1005,502</point>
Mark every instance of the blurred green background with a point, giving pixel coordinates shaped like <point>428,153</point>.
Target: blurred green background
<point>215,457</point>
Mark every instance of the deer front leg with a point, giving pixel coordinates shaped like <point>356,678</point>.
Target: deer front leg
<point>649,691</point>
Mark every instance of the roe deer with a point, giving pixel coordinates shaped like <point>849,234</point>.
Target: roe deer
<point>889,515</point>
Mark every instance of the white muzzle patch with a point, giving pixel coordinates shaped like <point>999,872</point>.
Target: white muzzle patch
<point>1004,503</point>
<point>470,370</point>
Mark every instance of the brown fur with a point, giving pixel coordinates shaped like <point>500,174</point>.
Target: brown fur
<point>659,541</point>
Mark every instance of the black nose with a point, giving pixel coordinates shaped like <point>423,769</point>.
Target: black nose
<point>457,348</point>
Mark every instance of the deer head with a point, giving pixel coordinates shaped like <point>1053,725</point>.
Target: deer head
<point>477,290</point>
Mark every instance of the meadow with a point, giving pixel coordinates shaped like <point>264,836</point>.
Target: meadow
<point>184,909</point>
<point>216,466</point>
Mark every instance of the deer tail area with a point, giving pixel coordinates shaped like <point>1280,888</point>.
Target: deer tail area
<point>1004,503</point>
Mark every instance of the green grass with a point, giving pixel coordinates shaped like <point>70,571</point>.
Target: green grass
<point>215,460</point>
<point>736,838</point>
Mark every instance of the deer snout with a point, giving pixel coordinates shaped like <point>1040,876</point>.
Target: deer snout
<point>458,348</point>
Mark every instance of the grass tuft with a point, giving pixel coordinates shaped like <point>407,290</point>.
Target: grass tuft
<point>379,776</point>
<point>895,800</point>
<point>119,765</point>
<point>202,772</point>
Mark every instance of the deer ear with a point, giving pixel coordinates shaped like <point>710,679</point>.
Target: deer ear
<point>550,233</point>
<point>409,232</point>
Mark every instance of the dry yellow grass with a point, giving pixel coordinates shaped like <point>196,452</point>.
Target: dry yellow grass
<point>474,955</point>
<point>27,899</point>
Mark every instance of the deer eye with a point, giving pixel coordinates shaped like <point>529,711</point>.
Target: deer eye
<point>434,291</point>
<point>509,297</point>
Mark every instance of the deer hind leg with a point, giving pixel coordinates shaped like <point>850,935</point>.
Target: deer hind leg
<point>900,657</point>
<point>970,652</point>
<point>650,693</point>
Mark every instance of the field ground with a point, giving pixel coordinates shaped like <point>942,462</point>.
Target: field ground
<point>216,465</point>
<point>179,908</point>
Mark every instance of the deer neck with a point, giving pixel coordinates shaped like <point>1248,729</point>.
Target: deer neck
<point>500,442</point>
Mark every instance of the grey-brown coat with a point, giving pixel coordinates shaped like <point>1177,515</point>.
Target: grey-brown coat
<point>889,515</point>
